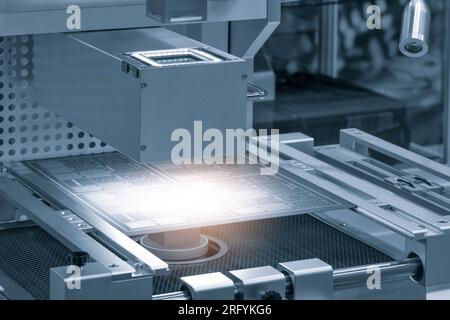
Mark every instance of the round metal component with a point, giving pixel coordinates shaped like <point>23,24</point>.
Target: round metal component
<point>216,249</point>
<point>346,277</point>
<point>415,29</point>
<point>172,254</point>
<point>78,258</point>
<point>356,276</point>
<point>138,266</point>
<point>416,276</point>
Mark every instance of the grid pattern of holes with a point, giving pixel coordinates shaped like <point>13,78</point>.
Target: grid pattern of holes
<point>26,256</point>
<point>27,130</point>
<point>268,242</point>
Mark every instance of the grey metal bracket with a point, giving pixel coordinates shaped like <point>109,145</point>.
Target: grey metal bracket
<point>395,213</point>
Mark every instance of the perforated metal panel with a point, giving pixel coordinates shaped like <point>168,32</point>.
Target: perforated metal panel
<point>27,130</point>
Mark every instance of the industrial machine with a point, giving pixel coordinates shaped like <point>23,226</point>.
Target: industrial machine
<point>92,207</point>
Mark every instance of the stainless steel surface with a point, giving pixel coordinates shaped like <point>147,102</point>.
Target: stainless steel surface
<point>28,130</point>
<point>308,279</point>
<point>177,246</point>
<point>260,280</point>
<point>390,271</point>
<point>400,215</point>
<point>254,283</point>
<point>357,139</point>
<point>130,117</point>
<point>65,232</point>
<point>299,141</point>
<point>415,29</point>
<point>49,16</point>
<point>96,282</point>
<point>179,295</point>
<point>31,5</point>
<point>120,241</point>
<point>416,182</point>
<point>210,286</point>
<point>172,11</point>
<point>176,57</point>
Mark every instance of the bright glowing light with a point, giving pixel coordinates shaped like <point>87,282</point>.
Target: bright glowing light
<point>197,199</point>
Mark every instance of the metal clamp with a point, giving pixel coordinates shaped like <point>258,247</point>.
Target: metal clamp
<point>265,283</point>
<point>310,279</point>
<point>210,286</point>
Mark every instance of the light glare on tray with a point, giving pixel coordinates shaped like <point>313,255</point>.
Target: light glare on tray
<point>142,199</point>
<point>192,199</point>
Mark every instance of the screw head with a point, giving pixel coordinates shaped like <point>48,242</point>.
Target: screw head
<point>79,258</point>
<point>143,147</point>
<point>143,85</point>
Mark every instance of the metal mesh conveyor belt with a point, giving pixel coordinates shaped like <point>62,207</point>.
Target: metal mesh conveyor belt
<point>268,242</point>
<point>26,256</point>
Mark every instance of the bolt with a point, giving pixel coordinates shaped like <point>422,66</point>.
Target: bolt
<point>244,77</point>
<point>143,85</point>
<point>343,225</point>
<point>138,266</point>
<point>143,147</point>
<point>113,265</point>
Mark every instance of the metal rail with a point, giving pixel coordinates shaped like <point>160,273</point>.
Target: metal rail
<point>390,271</point>
<point>178,295</point>
<point>346,277</point>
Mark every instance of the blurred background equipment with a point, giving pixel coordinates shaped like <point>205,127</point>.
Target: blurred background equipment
<point>327,44</point>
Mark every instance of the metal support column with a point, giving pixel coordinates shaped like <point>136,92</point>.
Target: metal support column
<point>328,39</point>
<point>446,88</point>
